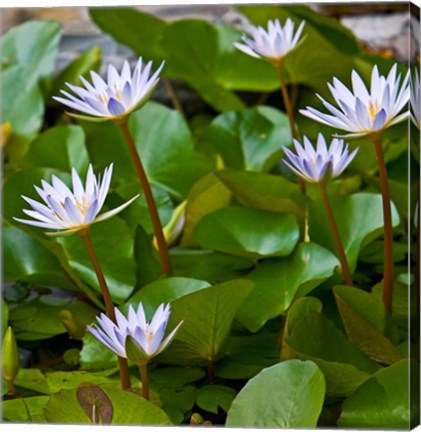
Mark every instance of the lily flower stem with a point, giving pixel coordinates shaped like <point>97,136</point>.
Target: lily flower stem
<point>143,368</point>
<point>336,237</point>
<point>160,239</point>
<point>290,114</point>
<point>388,231</point>
<point>122,362</point>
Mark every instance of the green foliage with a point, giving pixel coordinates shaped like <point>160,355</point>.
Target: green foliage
<point>359,218</point>
<point>249,139</point>
<point>254,271</point>
<point>207,317</point>
<point>128,408</point>
<point>261,405</point>
<point>278,282</point>
<point>250,232</point>
<point>387,400</point>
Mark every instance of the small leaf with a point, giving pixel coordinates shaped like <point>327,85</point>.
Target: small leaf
<point>286,395</point>
<point>212,398</point>
<point>95,403</point>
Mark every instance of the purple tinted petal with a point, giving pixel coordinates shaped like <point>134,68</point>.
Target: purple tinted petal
<point>379,120</point>
<point>115,108</point>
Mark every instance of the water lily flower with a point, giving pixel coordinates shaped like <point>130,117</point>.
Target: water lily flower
<point>148,337</point>
<point>415,98</point>
<point>363,112</point>
<point>115,98</point>
<point>71,211</point>
<point>322,164</point>
<point>272,44</point>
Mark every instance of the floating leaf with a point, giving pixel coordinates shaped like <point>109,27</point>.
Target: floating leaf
<point>128,409</point>
<point>316,338</point>
<point>61,148</point>
<point>22,107</point>
<point>207,265</point>
<point>249,139</point>
<point>388,400</point>
<point>249,232</point>
<point>23,410</point>
<point>212,398</point>
<point>208,315</point>
<point>34,44</point>
<point>26,259</point>
<point>278,282</point>
<point>261,404</point>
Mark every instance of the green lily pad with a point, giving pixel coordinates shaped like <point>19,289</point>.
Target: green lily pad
<point>207,317</point>
<point>249,139</point>
<point>388,400</point>
<point>260,404</point>
<point>278,282</point>
<point>61,148</point>
<point>212,398</point>
<point>249,232</point>
<point>23,410</point>
<point>316,338</point>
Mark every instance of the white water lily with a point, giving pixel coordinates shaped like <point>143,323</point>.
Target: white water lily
<point>148,336</point>
<point>363,112</point>
<point>272,44</point>
<point>115,98</point>
<point>320,164</point>
<point>415,97</point>
<point>71,211</point>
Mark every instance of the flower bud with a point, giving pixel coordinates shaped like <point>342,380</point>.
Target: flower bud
<point>10,356</point>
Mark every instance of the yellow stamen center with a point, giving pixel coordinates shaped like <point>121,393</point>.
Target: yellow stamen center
<point>373,110</point>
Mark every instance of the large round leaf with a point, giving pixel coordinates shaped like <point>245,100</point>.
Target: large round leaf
<point>114,247</point>
<point>61,148</point>
<point>208,315</point>
<point>163,141</point>
<point>22,106</point>
<point>249,232</point>
<point>287,395</point>
<point>388,400</point>
<point>34,44</point>
<point>278,282</point>
<point>359,218</point>
<point>250,139</point>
